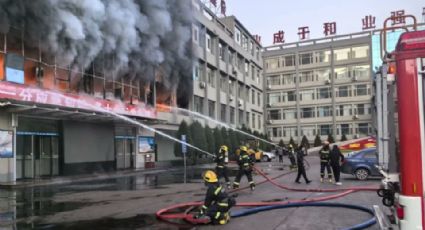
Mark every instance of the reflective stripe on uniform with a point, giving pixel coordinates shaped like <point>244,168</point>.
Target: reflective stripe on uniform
<point>236,183</point>
<point>251,182</point>
<point>220,166</point>
<point>217,190</point>
<point>204,207</point>
<point>223,204</point>
<point>217,215</point>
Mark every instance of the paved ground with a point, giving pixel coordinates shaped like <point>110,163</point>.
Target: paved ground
<point>129,202</point>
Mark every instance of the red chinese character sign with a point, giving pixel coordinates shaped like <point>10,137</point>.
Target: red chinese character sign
<point>329,28</point>
<point>304,32</point>
<point>279,37</point>
<point>368,22</point>
<point>397,17</point>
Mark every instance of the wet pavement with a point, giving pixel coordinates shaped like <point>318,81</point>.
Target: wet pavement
<point>130,203</point>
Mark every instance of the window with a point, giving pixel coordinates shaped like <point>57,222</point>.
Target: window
<point>223,83</point>
<point>211,77</point>
<point>343,91</point>
<point>363,128</point>
<point>209,44</point>
<point>246,68</point>
<point>272,63</point>
<point>307,95</point>
<point>363,109</point>
<point>197,73</point>
<point>361,90</point>
<point>257,53</point>
<point>247,118</point>
<point>232,115</point>
<point>195,34</point>
<point>232,60</point>
<point>323,74</point>
<point>306,76</point>
<point>308,131</point>
<point>211,109</point>
<point>240,91</point>
<point>222,52</point>
<point>253,96</point>
<point>277,132</point>
<point>245,42</point>
<point>370,155</point>
<point>253,73</point>
<point>341,54</point>
<point>241,120</point>
<point>290,96</point>
<point>259,99</point>
<point>231,87</point>
<point>258,76</point>
<point>361,71</point>
<point>289,114</point>
<point>223,113</point>
<point>289,60</point>
<point>275,114</point>
<point>247,90</point>
<point>273,80</point>
<point>290,132</point>
<point>307,112</point>
<point>238,36</point>
<point>198,104</point>
<point>343,110</point>
<point>343,129</point>
<point>253,120</point>
<point>252,48</point>
<point>324,111</point>
<point>306,59</point>
<point>325,130</point>
<point>289,79</point>
<point>324,93</point>
<point>360,52</point>
<point>274,98</point>
<point>341,73</point>
<point>323,56</point>
<point>259,122</point>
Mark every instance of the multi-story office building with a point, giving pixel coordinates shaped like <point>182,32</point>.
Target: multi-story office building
<point>228,83</point>
<point>319,87</point>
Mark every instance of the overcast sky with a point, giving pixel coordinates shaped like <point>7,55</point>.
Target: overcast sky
<point>266,17</point>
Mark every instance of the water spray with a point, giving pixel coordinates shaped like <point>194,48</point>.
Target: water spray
<point>217,122</point>
<point>100,109</point>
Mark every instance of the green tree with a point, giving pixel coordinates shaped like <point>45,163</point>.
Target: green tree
<point>183,130</point>
<point>218,139</point>
<point>317,141</point>
<point>233,140</point>
<point>281,143</point>
<point>305,143</point>
<point>292,142</point>
<point>210,139</point>
<point>225,136</point>
<point>331,138</point>
<point>199,140</point>
<point>343,137</point>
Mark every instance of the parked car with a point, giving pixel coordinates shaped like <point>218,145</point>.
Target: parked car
<point>361,164</point>
<point>268,156</point>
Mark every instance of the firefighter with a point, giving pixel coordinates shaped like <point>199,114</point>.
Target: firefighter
<point>324,154</point>
<point>291,155</point>
<point>301,168</point>
<point>245,163</point>
<point>222,159</point>
<point>217,202</point>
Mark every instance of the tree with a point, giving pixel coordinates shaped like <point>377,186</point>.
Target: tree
<point>331,138</point>
<point>218,139</point>
<point>233,140</point>
<point>292,142</point>
<point>225,136</point>
<point>209,135</point>
<point>199,140</point>
<point>305,143</point>
<point>343,137</point>
<point>183,130</point>
<point>317,141</point>
<point>281,143</point>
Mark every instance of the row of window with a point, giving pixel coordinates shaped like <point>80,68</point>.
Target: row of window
<point>319,93</point>
<point>321,56</point>
<point>257,119</point>
<point>320,111</point>
<point>321,75</point>
<point>326,129</point>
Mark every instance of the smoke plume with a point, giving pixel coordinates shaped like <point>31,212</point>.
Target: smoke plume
<point>127,37</point>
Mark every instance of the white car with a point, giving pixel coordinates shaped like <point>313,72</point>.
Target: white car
<point>268,156</point>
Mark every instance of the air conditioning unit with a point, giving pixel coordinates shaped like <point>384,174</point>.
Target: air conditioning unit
<point>234,71</point>
<point>231,98</point>
<point>327,82</point>
<point>268,105</point>
<point>355,117</point>
<point>202,85</point>
<point>354,78</point>
<point>109,96</point>
<point>269,87</point>
<point>240,102</point>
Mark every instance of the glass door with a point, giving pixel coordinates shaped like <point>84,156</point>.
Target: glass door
<point>119,153</point>
<point>129,153</point>
<point>24,153</point>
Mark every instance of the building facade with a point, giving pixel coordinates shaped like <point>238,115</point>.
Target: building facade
<point>319,87</point>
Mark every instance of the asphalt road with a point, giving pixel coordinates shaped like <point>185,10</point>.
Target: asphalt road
<point>130,202</point>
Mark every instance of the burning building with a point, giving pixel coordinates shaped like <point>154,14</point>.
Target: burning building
<point>66,65</point>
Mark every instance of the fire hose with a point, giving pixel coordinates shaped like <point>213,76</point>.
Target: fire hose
<point>162,214</point>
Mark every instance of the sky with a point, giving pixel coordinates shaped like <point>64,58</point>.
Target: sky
<point>266,17</point>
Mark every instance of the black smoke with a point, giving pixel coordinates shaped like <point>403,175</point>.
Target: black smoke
<point>128,37</point>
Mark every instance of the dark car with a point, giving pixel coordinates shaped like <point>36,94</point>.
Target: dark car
<point>361,164</point>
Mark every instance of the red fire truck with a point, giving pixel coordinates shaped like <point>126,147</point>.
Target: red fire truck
<point>402,159</point>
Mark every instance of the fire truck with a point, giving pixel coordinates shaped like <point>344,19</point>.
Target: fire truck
<point>400,94</point>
